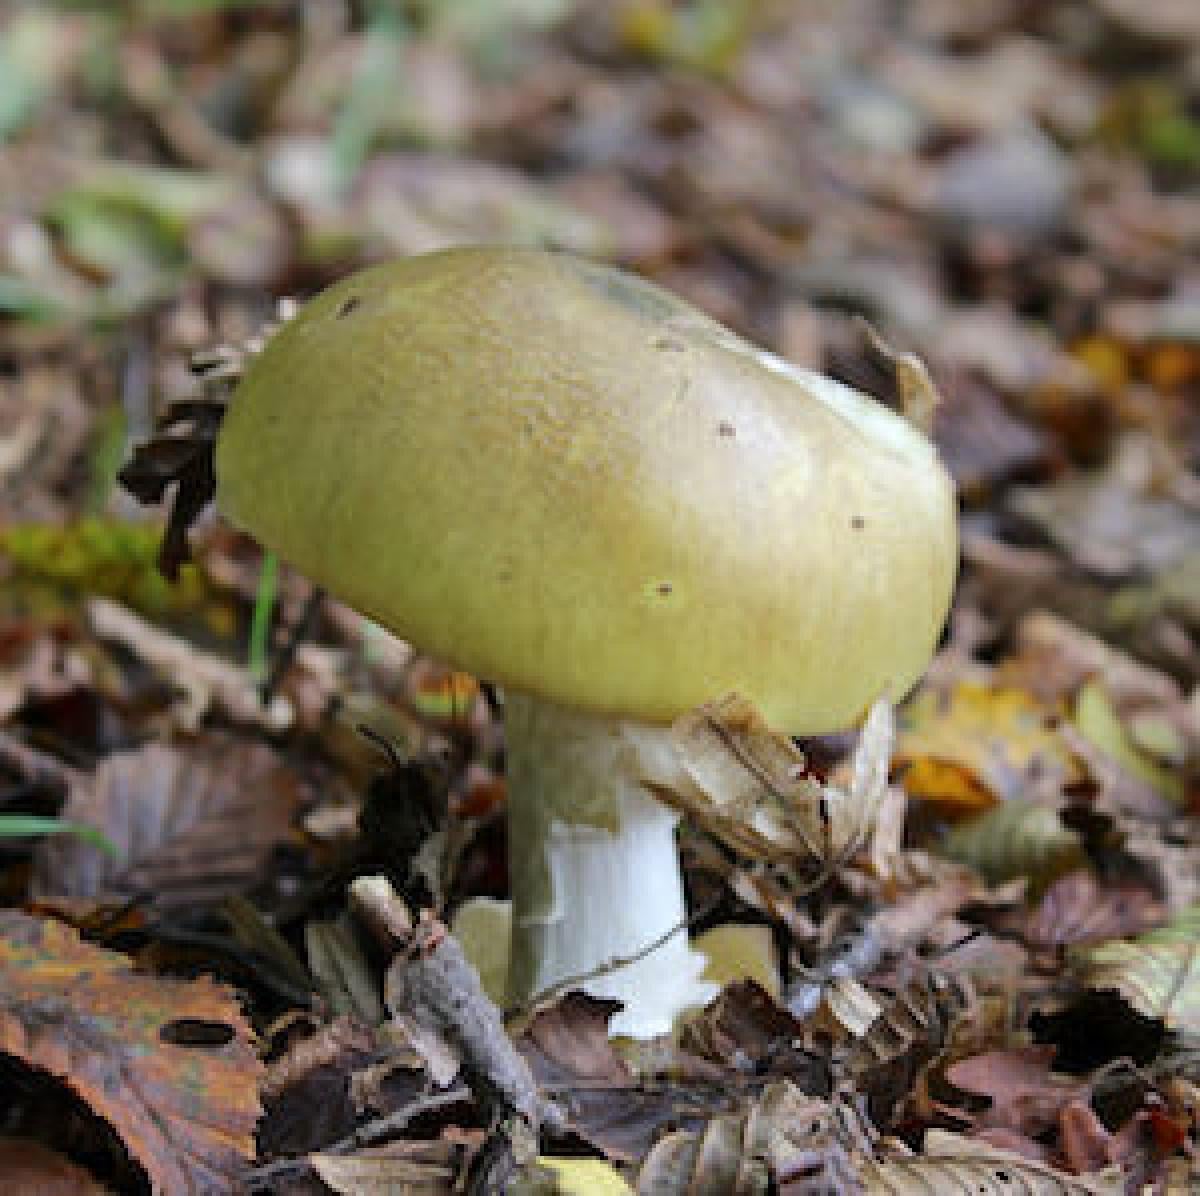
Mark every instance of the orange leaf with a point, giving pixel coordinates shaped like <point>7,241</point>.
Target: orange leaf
<point>167,1063</point>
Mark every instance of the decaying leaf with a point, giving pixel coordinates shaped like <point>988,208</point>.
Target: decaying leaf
<point>785,1135</point>
<point>1021,838</point>
<point>747,785</point>
<point>980,745</point>
<point>167,1063</point>
<point>191,822</point>
<point>951,1163</point>
<point>1157,973</point>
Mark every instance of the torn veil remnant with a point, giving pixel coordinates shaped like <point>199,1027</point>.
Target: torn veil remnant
<point>562,478</point>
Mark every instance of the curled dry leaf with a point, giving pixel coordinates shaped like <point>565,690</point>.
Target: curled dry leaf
<point>913,1027</point>
<point>190,823</point>
<point>953,1164</point>
<point>746,784</point>
<point>1158,973</point>
<point>784,1136</point>
<point>167,1063</point>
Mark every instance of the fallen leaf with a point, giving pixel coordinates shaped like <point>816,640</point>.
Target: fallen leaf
<point>1079,909</point>
<point>740,952</point>
<point>953,1163</point>
<point>912,1027</point>
<point>383,1171</point>
<point>1098,722</point>
<point>191,823</point>
<point>1157,973</point>
<point>1022,838</point>
<point>747,785</point>
<point>1025,1097</point>
<point>167,1063</point>
<point>584,1177</point>
<point>783,1135</point>
<point>979,745</point>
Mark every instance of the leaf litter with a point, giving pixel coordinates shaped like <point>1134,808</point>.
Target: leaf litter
<point>981,944</point>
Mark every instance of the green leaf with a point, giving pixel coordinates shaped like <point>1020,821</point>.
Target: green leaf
<point>1158,973</point>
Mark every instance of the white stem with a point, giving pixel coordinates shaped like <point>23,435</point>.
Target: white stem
<point>594,866</point>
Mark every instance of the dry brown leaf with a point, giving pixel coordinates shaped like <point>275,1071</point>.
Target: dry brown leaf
<point>383,1171</point>
<point>914,1025</point>
<point>747,785</point>
<point>953,1164</point>
<point>167,1063</point>
<point>575,1062</point>
<point>746,1030</point>
<point>190,823</point>
<point>1078,909</point>
<point>785,1135</point>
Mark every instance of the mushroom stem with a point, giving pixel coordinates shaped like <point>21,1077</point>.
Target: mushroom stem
<point>594,866</point>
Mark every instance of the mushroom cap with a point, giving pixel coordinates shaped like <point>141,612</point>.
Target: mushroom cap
<point>563,478</point>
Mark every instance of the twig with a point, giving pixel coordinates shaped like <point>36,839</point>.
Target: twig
<point>614,964</point>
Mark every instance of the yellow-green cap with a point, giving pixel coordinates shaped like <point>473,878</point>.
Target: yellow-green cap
<point>566,480</point>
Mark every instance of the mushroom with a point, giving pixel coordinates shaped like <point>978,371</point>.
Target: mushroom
<point>564,479</point>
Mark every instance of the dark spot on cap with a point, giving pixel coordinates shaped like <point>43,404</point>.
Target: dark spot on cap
<point>348,305</point>
<point>726,429</point>
<point>858,523</point>
<point>669,344</point>
<point>663,589</point>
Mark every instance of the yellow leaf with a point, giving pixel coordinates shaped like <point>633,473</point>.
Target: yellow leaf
<point>739,953</point>
<point>979,745</point>
<point>585,1177</point>
<point>1100,724</point>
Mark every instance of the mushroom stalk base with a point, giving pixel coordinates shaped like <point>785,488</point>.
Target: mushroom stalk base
<point>594,867</point>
